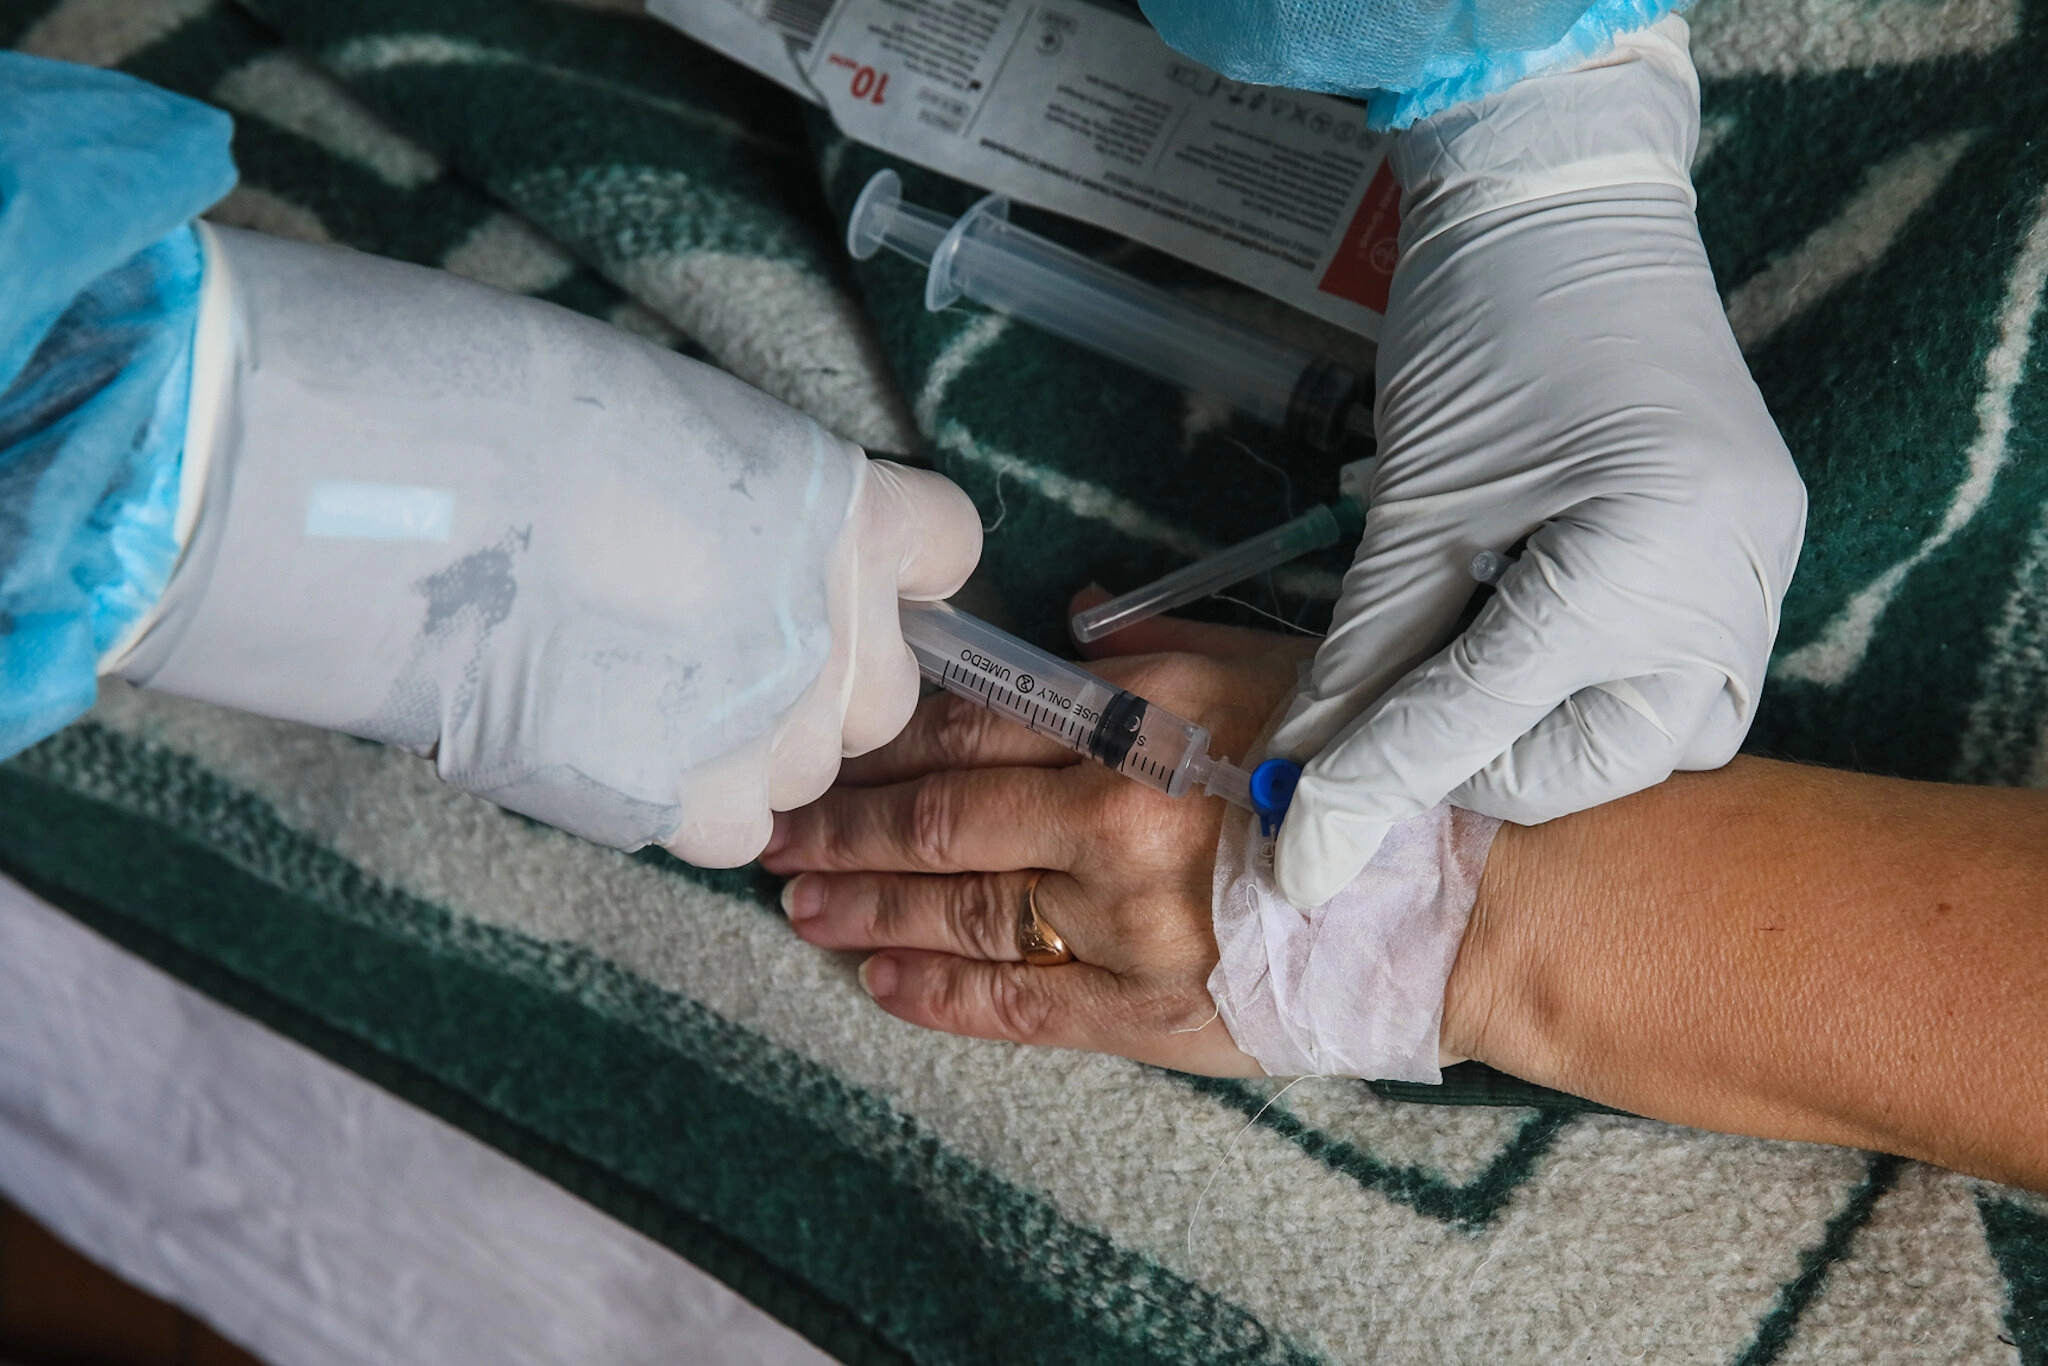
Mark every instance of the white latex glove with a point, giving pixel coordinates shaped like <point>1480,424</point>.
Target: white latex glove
<point>1555,365</point>
<point>600,584</point>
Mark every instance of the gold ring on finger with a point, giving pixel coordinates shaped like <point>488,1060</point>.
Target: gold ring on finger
<point>1039,943</point>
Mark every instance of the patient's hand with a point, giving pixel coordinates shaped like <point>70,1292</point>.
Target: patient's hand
<point>1767,949</point>
<point>926,849</point>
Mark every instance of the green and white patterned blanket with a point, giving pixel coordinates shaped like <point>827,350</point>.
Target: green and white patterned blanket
<point>1874,193</point>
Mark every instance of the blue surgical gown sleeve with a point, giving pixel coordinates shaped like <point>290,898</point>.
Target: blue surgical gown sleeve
<point>1407,59</point>
<point>100,177</point>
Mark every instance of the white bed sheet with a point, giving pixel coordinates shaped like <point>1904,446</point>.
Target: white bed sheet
<point>301,1211</point>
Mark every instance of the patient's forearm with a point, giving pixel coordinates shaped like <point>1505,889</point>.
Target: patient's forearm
<point>1782,951</point>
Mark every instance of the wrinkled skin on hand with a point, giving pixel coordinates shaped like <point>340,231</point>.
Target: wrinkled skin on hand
<point>1770,949</point>
<point>923,855</point>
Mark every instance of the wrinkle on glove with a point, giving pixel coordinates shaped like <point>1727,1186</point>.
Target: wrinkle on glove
<point>1354,987</point>
<point>1631,119</point>
<point>1407,59</point>
<point>99,291</point>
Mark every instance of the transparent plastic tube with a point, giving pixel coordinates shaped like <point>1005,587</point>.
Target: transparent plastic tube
<point>987,258</point>
<point>1313,530</point>
<point>1089,715</point>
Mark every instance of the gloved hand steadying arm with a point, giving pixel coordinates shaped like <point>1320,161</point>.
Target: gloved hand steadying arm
<point>599,583</point>
<point>1556,366</point>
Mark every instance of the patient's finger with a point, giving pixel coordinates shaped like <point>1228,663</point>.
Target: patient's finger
<point>971,915</point>
<point>1167,635</point>
<point>974,820</point>
<point>1072,1006</point>
<point>949,732</point>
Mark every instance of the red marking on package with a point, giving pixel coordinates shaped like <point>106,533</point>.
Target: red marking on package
<point>1363,268</point>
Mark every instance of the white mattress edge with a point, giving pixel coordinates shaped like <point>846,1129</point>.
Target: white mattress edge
<point>304,1213</point>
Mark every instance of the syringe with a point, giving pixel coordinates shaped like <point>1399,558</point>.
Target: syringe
<point>1089,715</point>
<point>985,257</point>
<point>1323,526</point>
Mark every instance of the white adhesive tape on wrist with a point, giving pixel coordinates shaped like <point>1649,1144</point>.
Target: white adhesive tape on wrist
<point>1354,987</point>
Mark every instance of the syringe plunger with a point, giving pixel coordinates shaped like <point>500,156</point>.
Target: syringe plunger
<point>881,218</point>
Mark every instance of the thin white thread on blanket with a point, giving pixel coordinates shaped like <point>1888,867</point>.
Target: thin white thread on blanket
<point>1093,501</point>
<point>1230,1148</point>
<point>1079,496</point>
<point>1286,479</point>
<point>1302,583</point>
<point>1271,616</point>
<point>1002,508</point>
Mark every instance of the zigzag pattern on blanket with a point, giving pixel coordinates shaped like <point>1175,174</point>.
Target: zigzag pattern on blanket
<point>680,179</point>
<point>315,164</point>
<point>652,1037</point>
<point>735,1078</point>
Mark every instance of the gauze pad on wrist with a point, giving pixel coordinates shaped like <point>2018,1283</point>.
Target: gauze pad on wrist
<point>1354,987</point>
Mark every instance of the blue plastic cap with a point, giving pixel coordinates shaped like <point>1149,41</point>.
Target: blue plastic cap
<point>1272,791</point>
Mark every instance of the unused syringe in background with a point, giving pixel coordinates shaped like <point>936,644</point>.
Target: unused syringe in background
<point>1090,716</point>
<point>987,258</point>
<point>1319,527</point>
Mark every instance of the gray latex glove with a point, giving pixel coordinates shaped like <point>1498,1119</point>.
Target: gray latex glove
<point>1555,366</point>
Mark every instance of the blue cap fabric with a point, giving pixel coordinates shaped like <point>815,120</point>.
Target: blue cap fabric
<point>100,176</point>
<point>1407,59</point>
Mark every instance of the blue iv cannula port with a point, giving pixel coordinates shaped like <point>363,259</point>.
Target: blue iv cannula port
<point>1273,784</point>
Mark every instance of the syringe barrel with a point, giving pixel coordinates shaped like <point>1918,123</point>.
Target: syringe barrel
<point>1044,693</point>
<point>993,261</point>
<point>1290,540</point>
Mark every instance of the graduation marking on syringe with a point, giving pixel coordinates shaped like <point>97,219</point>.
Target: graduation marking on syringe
<point>1051,696</point>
